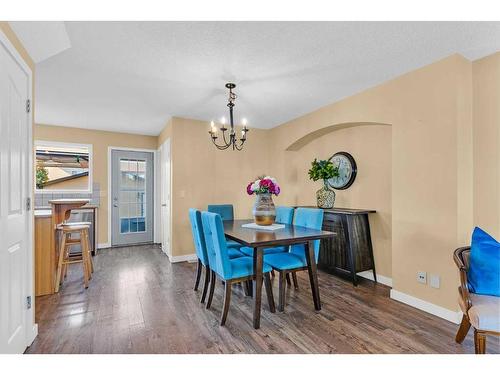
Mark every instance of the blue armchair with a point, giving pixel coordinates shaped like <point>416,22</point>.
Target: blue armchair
<point>228,270</point>
<point>295,259</point>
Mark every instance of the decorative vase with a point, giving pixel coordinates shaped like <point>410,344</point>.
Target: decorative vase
<point>325,196</point>
<point>263,211</point>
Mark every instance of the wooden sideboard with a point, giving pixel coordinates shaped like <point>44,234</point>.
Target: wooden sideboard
<point>351,251</point>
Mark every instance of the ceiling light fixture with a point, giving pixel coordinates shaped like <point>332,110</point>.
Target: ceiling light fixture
<point>233,141</point>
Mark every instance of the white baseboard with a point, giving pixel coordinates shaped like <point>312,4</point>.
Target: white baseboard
<point>450,315</point>
<point>183,258</point>
<point>103,245</point>
<point>380,278</point>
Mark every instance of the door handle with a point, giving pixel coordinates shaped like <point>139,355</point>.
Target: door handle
<point>115,204</point>
<point>164,205</point>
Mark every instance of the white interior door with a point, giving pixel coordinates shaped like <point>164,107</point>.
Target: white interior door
<point>165,168</point>
<point>15,189</point>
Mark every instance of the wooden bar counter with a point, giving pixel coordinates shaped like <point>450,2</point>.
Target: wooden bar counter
<point>46,244</point>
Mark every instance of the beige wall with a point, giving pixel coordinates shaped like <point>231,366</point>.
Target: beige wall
<point>370,145</point>
<point>201,175</point>
<point>486,99</point>
<point>428,128</point>
<point>100,141</point>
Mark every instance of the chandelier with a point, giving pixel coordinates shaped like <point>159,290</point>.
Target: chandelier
<point>236,144</point>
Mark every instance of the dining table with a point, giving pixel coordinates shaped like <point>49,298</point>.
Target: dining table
<point>260,239</point>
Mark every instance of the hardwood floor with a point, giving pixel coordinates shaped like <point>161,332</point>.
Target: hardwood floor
<point>138,302</point>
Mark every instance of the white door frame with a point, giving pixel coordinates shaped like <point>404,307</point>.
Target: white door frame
<point>29,319</point>
<point>155,172</point>
<point>168,251</point>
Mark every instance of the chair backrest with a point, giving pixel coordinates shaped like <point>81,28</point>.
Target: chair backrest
<point>310,218</point>
<point>198,236</point>
<point>284,215</point>
<point>213,231</point>
<point>224,210</point>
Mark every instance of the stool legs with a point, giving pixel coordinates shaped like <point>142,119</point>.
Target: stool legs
<point>65,259</point>
<point>62,255</point>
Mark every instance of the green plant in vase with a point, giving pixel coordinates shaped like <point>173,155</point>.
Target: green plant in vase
<point>324,170</point>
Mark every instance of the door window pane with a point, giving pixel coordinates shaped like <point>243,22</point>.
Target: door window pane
<point>132,196</point>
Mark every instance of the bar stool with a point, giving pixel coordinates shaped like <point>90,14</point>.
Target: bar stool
<point>66,257</point>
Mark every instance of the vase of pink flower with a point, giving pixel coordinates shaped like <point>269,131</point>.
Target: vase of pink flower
<point>264,188</point>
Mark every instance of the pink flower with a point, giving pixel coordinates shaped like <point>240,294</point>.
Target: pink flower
<point>277,189</point>
<point>266,183</point>
<point>249,189</point>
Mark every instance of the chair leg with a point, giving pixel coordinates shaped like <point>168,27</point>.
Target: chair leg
<point>211,292</point>
<point>479,342</point>
<point>62,254</point>
<point>246,288</point>
<point>295,281</point>
<point>269,292</point>
<point>198,275</point>
<point>205,284</point>
<point>282,286</point>
<point>463,329</point>
<point>272,273</point>
<point>227,301</point>
<point>288,282</point>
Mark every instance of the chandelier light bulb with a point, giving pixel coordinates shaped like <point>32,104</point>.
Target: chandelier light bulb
<point>223,121</point>
<point>244,122</point>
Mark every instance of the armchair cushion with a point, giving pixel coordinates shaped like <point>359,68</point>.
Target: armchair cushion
<point>483,274</point>
<point>485,312</point>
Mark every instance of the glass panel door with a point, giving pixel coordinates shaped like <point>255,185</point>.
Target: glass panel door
<point>132,197</point>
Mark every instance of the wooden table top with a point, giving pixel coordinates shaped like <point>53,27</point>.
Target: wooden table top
<point>291,234</point>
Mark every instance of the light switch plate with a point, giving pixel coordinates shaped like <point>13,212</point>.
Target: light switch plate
<point>422,277</point>
<point>434,281</point>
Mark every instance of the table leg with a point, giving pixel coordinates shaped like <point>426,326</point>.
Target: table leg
<point>257,285</point>
<point>313,274</point>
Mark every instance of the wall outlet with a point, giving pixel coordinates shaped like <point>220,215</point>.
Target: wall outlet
<point>422,277</point>
<point>434,281</point>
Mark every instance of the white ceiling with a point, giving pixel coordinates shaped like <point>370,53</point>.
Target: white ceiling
<point>133,76</point>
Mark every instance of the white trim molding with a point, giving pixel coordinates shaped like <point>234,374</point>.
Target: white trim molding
<point>450,315</point>
<point>182,258</point>
<point>103,245</point>
<point>380,278</point>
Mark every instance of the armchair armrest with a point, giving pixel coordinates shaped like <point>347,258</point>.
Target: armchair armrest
<point>458,257</point>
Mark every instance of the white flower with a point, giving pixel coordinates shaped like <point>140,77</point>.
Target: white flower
<point>256,185</point>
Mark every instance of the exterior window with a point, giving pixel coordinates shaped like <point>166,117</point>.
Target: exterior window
<point>63,167</point>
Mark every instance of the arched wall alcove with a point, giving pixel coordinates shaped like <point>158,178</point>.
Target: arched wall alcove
<point>304,140</point>
<point>370,143</point>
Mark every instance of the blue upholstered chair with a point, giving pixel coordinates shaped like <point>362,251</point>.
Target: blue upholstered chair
<point>226,212</point>
<point>201,251</point>
<point>228,270</point>
<point>295,259</point>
